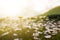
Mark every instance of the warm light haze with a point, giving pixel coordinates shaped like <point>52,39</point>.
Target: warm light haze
<point>26,8</point>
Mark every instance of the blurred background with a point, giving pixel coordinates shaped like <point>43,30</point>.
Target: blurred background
<point>25,8</point>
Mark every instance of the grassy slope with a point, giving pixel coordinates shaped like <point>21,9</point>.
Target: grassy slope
<point>52,14</point>
<point>54,11</point>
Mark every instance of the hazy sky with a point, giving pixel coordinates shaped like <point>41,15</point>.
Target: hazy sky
<point>25,8</point>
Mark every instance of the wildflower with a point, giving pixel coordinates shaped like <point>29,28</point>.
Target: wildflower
<point>16,39</point>
<point>14,34</point>
<point>5,33</point>
<point>47,36</point>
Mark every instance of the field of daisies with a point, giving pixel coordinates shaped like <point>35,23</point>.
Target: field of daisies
<point>41,27</point>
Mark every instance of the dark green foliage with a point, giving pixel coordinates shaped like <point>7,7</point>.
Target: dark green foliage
<point>54,14</point>
<point>54,17</point>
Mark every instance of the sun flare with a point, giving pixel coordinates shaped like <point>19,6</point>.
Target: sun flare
<point>13,8</point>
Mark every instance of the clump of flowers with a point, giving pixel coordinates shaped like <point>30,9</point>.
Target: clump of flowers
<point>34,28</point>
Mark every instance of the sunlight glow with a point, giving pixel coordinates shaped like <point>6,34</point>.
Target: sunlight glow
<point>25,8</point>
